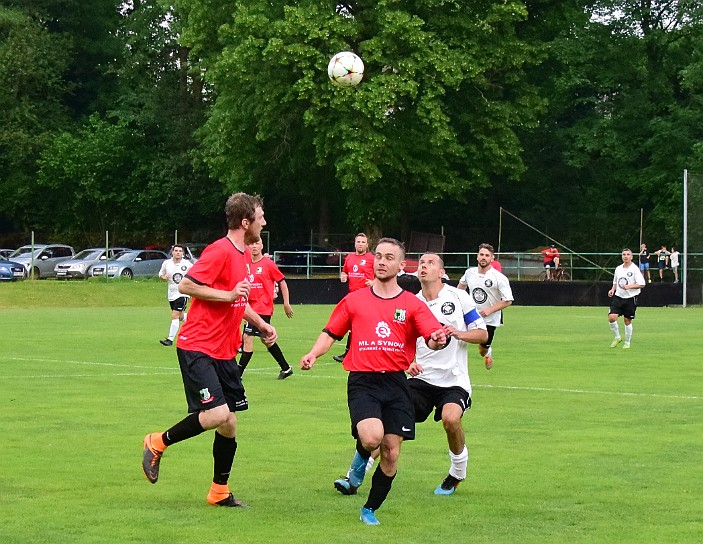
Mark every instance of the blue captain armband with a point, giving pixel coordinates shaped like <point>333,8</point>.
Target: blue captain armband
<point>471,317</point>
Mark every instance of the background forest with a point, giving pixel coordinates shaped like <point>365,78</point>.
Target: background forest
<point>139,117</point>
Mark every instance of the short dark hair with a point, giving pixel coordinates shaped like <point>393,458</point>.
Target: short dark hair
<point>489,247</point>
<point>393,242</point>
<point>241,206</point>
<point>178,245</point>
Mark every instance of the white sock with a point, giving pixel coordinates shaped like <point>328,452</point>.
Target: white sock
<point>185,315</point>
<point>173,331</point>
<point>489,353</point>
<point>459,462</point>
<point>628,333</point>
<point>616,330</point>
<point>369,464</point>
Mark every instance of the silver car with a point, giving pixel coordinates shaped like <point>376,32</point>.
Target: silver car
<point>43,261</point>
<point>130,264</point>
<point>81,262</point>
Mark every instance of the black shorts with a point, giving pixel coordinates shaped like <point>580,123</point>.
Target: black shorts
<point>209,382</point>
<point>178,305</point>
<point>491,332</point>
<point>550,264</point>
<point>625,307</point>
<point>251,330</point>
<point>427,396</point>
<point>384,396</point>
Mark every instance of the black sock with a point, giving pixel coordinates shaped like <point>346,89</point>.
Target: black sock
<point>183,430</point>
<point>380,486</point>
<point>365,454</point>
<point>244,360</point>
<point>278,355</point>
<point>223,450</point>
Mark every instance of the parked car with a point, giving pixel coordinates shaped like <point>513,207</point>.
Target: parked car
<point>294,258</point>
<point>130,264</point>
<point>78,266</point>
<point>42,263</point>
<point>11,271</point>
<point>191,251</point>
<point>5,253</point>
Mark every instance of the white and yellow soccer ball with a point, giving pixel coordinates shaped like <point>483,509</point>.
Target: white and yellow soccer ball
<point>345,69</point>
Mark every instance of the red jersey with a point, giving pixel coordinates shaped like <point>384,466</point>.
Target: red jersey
<point>383,331</point>
<point>549,254</point>
<point>359,269</point>
<point>214,327</point>
<point>264,273</point>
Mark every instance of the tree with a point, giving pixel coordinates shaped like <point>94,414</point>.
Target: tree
<point>32,65</point>
<point>433,118</point>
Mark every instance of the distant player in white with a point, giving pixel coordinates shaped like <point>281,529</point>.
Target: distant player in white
<point>628,282</point>
<point>173,270</point>
<point>440,379</point>
<point>490,291</point>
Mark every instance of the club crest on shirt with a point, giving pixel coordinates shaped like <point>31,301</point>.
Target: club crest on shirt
<point>629,274</point>
<point>399,315</point>
<point>177,277</point>
<point>447,308</point>
<point>259,269</point>
<point>355,268</point>
<point>488,283</point>
<point>383,330</point>
<point>479,295</point>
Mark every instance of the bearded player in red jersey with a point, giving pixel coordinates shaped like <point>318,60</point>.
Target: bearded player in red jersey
<point>358,272</point>
<point>263,275</point>
<point>207,347</point>
<point>385,321</point>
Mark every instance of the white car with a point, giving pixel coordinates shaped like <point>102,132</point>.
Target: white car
<point>78,266</point>
<point>141,262</point>
<point>42,262</point>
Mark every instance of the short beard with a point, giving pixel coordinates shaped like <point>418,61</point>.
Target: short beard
<point>250,238</point>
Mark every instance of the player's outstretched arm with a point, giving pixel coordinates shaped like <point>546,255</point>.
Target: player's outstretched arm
<point>285,293</point>
<point>322,345</point>
<point>204,292</point>
<point>437,340</point>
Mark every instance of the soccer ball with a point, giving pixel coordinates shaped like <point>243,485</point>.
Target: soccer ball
<point>345,69</point>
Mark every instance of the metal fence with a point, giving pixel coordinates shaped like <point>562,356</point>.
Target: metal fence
<point>519,266</point>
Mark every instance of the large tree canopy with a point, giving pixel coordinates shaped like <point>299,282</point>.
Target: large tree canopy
<point>433,118</point>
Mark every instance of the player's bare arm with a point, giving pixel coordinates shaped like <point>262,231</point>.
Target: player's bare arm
<point>204,292</point>
<point>462,286</point>
<point>474,336</point>
<point>287,308</point>
<point>322,345</point>
<point>498,306</point>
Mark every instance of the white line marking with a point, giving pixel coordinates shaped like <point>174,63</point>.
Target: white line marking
<point>312,375</point>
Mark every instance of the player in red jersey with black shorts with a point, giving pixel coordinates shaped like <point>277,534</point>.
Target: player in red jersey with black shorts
<point>207,347</point>
<point>264,274</point>
<point>385,321</point>
<point>357,271</point>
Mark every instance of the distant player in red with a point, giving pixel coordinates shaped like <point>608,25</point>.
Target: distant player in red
<point>207,346</point>
<point>263,275</point>
<point>551,259</point>
<point>385,322</point>
<point>358,272</point>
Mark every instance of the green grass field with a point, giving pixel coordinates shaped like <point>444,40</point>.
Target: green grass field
<point>570,441</point>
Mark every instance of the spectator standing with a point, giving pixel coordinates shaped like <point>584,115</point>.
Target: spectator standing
<point>662,260</point>
<point>357,272</point>
<point>674,260</point>
<point>644,262</point>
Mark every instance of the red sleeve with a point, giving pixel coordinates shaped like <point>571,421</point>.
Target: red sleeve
<point>425,321</point>
<point>275,272</point>
<point>208,267</point>
<point>339,323</point>
<point>345,266</point>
